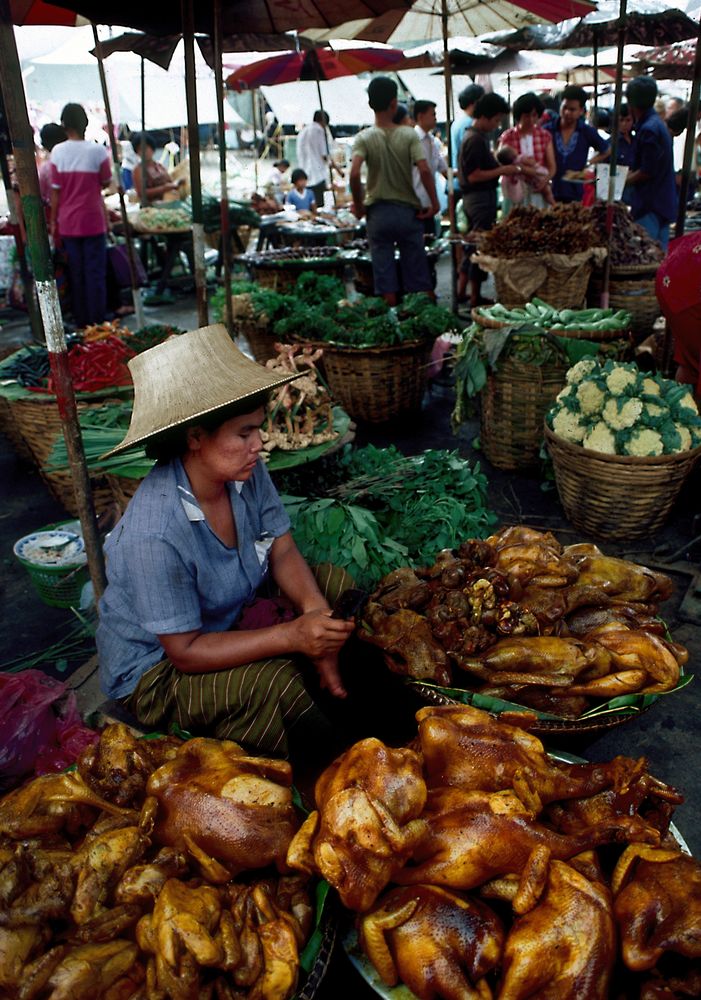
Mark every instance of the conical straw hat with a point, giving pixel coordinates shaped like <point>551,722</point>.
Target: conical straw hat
<point>188,376</point>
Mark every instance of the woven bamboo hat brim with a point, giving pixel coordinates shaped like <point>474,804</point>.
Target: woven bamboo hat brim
<point>188,376</point>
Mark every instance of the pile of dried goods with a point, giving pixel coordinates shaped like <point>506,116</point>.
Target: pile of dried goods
<point>564,229</point>
<point>630,243</point>
<point>299,414</point>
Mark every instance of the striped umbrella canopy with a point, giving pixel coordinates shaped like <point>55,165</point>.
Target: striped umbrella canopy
<point>38,12</point>
<point>668,62</point>
<point>316,64</point>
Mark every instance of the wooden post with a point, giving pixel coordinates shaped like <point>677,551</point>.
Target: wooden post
<point>117,173</point>
<point>450,188</point>
<point>225,240</point>
<point>38,243</point>
<point>614,151</point>
<point>690,140</point>
<point>193,133</point>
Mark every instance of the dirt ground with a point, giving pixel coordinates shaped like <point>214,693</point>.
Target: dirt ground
<point>668,734</point>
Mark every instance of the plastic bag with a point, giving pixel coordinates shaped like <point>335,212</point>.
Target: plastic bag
<point>40,725</point>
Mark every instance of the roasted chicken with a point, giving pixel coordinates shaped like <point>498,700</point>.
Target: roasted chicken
<point>657,903</point>
<point>52,804</point>
<point>438,943</point>
<point>216,800</point>
<point>366,823</point>
<point>408,643</point>
<point>565,947</point>
<point>119,765</point>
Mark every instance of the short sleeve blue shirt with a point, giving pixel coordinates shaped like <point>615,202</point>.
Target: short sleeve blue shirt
<point>574,156</point>
<point>653,155</point>
<point>168,572</point>
<point>302,202</point>
<point>457,134</point>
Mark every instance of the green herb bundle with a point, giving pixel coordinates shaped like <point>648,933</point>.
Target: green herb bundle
<point>390,510</point>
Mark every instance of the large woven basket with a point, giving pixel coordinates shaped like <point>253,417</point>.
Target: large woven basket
<point>513,406</point>
<point>617,496</point>
<point>378,383</point>
<point>38,422</point>
<point>123,489</point>
<point>596,336</point>
<point>260,338</point>
<point>560,290</point>
<point>282,276</point>
<point>631,288</point>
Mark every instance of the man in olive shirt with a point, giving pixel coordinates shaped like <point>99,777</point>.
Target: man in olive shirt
<point>394,212</point>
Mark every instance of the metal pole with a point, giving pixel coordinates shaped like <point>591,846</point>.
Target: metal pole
<point>450,189</point>
<point>47,294</point>
<point>596,70</point>
<point>312,55</point>
<point>142,159</point>
<point>614,151</point>
<point>225,240</point>
<point>690,140</point>
<point>117,173</point>
<point>255,144</point>
<point>193,133</point>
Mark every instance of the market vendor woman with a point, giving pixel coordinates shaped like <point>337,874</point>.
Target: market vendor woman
<point>184,636</point>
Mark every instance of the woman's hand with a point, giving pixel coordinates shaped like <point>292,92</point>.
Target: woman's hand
<point>329,675</point>
<point>317,635</point>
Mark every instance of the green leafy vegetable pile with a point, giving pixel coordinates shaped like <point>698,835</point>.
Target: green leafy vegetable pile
<point>619,410</point>
<point>388,510</point>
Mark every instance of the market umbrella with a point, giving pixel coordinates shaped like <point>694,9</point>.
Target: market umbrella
<point>668,62</point>
<point>315,64</point>
<point>37,12</point>
<point>160,49</point>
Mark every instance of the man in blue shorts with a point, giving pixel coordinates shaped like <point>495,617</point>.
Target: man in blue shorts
<point>394,212</point>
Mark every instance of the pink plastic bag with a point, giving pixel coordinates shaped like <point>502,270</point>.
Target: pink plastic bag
<point>37,718</point>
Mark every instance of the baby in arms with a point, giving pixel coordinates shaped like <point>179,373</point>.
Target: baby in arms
<point>513,186</point>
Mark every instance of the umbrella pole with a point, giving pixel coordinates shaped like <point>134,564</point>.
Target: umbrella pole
<point>614,151</point>
<point>193,134</point>
<point>326,135</point>
<point>225,240</point>
<point>47,294</point>
<point>255,144</point>
<point>448,81</point>
<point>596,70</point>
<point>142,158</point>
<point>690,140</point>
<point>508,89</point>
<point>117,173</point>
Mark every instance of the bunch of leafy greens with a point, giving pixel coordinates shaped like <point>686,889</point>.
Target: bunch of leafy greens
<point>391,510</point>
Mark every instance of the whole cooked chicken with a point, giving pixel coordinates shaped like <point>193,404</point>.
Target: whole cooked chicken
<point>538,660</point>
<point>657,903</point>
<point>366,823</point>
<point>476,836</point>
<point>51,804</point>
<point>118,765</point>
<point>617,579</point>
<point>408,643</point>
<point>438,943</point>
<point>82,972</point>
<point>141,883</point>
<point>641,662</point>
<point>100,864</point>
<point>215,799</point>
<point>469,749</point>
<point>526,556</point>
<point>565,947</point>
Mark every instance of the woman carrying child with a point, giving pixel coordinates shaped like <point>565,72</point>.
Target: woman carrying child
<point>534,153</point>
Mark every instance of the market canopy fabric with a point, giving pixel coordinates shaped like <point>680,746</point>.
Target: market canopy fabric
<point>316,64</point>
<point>160,48</point>
<point>668,62</point>
<point>37,12</point>
<point>260,16</point>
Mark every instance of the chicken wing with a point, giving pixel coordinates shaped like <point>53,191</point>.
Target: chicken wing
<point>564,948</point>
<point>436,942</point>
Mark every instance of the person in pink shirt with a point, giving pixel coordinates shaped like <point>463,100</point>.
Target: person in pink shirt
<point>80,170</point>
<point>50,136</point>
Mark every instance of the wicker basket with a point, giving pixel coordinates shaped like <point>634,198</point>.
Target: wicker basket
<point>122,489</point>
<point>378,383</point>
<point>631,288</point>
<point>559,290</point>
<point>282,276</point>
<point>617,496</point>
<point>596,336</point>
<point>38,422</point>
<point>260,338</point>
<point>513,406</point>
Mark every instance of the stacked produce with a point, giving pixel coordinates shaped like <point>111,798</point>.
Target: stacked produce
<point>479,866</point>
<point>148,336</point>
<point>155,219</point>
<point>283,255</point>
<point>563,229</point>
<point>372,510</point>
<point>619,410</point>
<point>520,619</point>
<point>299,414</point>
<point>157,870</point>
<point>537,313</point>
<point>96,362</point>
<point>630,243</point>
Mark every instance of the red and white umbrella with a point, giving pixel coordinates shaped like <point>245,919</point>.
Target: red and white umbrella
<point>38,12</point>
<point>316,64</point>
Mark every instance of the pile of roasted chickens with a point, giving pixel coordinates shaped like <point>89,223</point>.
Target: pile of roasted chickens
<point>480,867</point>
<point>522,618</point>
<point>156,870</point>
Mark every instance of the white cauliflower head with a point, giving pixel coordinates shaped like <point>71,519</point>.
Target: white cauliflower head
<point>686,406</point>
<point>685,435</point>
<point>591,398</point>
<point>621,413</point>
<point>621,379</point>
<point>651,387</point>
<point>600,437</point>
<point>567,393</point>
<point>580,370</point>
<point>569,426</point>
<point>644,441</point>
<point>655,413</point>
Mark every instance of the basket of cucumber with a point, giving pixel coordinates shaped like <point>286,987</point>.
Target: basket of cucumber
<point>583,324</point>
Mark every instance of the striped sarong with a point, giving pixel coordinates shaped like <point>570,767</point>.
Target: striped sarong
<point>256,704</point>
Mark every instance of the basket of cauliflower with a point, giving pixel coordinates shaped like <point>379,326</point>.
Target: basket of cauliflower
<point>622,443</point>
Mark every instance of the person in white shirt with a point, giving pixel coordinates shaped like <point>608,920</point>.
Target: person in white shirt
<point>425,118</point>
<point>314,147</point>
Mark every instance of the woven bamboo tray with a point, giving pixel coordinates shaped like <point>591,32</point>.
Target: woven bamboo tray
<point>541,727</point>
<point>513,406</point>
<point>596,336</point>
<point>378,383</point>
<point>617,496</point>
